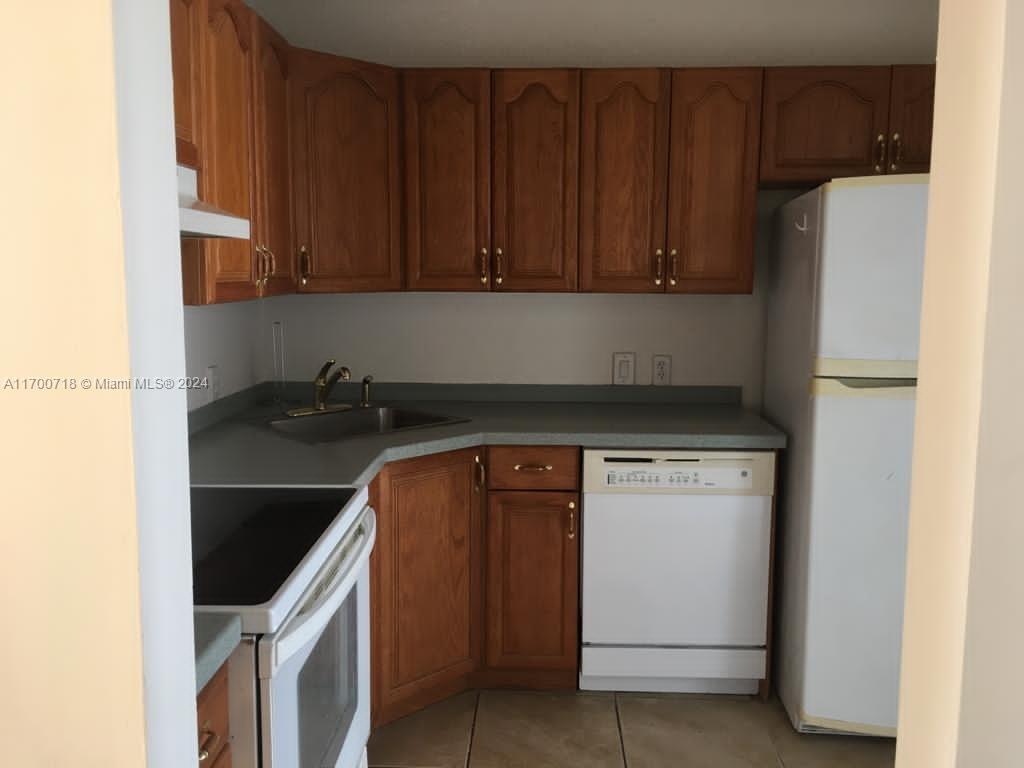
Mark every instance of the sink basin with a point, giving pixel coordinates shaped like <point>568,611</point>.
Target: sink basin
<point>328,427</point>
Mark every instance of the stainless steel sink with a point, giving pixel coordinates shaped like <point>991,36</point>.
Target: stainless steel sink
<point>377,420</point>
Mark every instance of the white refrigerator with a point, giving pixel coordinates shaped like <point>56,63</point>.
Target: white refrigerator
<point>843,311</point>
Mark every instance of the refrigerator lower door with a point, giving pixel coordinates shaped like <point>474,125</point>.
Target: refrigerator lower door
<point>862,441</point>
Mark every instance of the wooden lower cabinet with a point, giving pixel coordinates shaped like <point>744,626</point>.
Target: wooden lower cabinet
<point>426,581</point>
<point>214,737</point>
<point>532,596</point>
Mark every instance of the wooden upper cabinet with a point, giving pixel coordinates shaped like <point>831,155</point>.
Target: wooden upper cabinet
<point>272,228</point>
<point>910,118</point>
<point>225,270</point>
<point>712,208</point>
<point>448,179</point>
<point>824,122</point>
<point>185,31</point>
<point>427,581</point>
<point>536,159</point>
<point>347,180</point>
<point>623,169</point>
<point>532,580</point>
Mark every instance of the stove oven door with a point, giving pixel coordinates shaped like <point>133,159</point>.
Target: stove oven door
<point>315,670</point>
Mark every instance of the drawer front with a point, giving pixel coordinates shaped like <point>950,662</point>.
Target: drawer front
<point>212,705</point>
<point>533,468</point>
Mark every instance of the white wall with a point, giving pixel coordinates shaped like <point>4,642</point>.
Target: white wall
<point>962,669</point>
<point>152,259</point>
<point>612,33</point>
<point>488,338</point>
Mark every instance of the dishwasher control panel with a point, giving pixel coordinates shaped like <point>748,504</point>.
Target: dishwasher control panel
<point>720,478</point>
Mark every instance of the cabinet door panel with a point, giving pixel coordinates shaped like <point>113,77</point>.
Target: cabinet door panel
<point>910,119</point>
<point>185,15</point>
<point>536,159</point>
<point>532,580</point>
<point>347,178</point>
<point>428,587</point>
<point>448,179</point>
<point>226,269</point>
<point>273,168</point>
<point>824,122</point>
<point>716,116</point>
<point>624,165</point>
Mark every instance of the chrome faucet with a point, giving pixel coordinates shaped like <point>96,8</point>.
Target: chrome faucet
<point>364,401</point>
<point>322,384</point>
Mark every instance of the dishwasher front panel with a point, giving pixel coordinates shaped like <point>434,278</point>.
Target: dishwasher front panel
<point>679,570</point>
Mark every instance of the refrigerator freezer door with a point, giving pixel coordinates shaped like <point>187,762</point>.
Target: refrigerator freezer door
<point>870,265</point>
<point>861,445</point>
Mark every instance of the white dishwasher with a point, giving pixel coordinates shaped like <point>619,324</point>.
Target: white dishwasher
<point>676,561</point>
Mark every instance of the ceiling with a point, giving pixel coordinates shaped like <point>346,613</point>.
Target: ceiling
<point>589,33</point>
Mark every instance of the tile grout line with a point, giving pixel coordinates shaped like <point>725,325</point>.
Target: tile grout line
<point>472,729</point>
<point>618,724</point>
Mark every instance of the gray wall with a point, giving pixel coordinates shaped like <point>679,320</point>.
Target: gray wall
<point>485,338</point>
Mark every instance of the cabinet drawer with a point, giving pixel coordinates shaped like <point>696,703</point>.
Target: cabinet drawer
<point>212,706</point>
<point>530,468</point>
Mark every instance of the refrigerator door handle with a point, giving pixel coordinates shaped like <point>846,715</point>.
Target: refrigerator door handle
<point>903,389</point>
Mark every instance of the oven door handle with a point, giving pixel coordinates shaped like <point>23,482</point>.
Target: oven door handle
<point>309,623</point>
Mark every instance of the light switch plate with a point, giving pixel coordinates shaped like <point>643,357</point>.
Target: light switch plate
<point>661,371</point>
<point>623,367</point>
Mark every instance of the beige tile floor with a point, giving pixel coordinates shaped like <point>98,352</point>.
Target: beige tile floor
<point>520,729</point>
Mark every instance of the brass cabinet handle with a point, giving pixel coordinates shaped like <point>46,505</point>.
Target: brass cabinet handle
<point>273,262</point>
<point>572,519</point>
<point>261,266</point>
<point>499,278</point>
<point>207,744</point>
<point>483,266</point>
<point>673,257</point>
<point>482,474</point>
<point>880,148</point>
<point>895,151</point>
<point>303,265</point>
<point>532,467</point>
<point>659,266</point>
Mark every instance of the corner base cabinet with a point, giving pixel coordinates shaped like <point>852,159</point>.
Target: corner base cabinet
<point>425,581</point>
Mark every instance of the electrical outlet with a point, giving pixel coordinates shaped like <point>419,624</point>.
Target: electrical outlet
<point>623,367</point>
<point>213,382</point>
<point>661,371</point>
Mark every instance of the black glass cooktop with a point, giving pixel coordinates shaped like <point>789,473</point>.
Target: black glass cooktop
<point>247,541</point>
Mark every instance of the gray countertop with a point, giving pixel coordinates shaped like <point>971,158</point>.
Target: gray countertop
<point>216,637</point>
<point>242,450</point>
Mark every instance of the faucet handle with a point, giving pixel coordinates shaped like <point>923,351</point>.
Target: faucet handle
<point>367,379</point>
<point>346,374</point>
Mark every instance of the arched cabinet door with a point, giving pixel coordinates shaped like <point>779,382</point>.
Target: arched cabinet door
<point>346,173</point>
<point>623,170</point>
<point>224,270</point>
<point>536,180</point>
<point>273,225</point>
<point>910,118</point>
<point>712,202</point>
<point>448,179</point>
<point>824,122</point>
